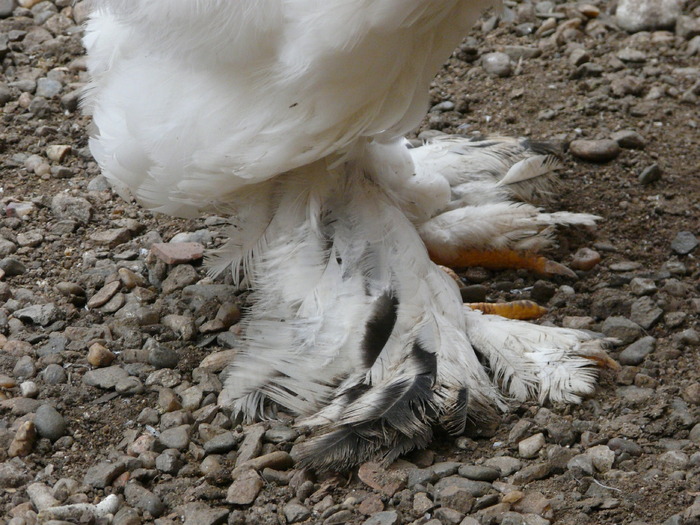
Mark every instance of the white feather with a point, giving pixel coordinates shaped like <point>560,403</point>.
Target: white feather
<point>529,168</point>
<point>532,361</point>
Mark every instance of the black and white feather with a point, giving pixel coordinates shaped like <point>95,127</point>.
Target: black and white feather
<point>289,116</point>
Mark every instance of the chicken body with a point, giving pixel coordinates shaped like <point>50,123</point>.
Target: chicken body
<point>289,116</point>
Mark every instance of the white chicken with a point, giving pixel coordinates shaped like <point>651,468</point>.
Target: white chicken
<point>289,116</point>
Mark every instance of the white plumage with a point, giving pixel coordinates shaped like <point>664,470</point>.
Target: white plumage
<point>289,116</point>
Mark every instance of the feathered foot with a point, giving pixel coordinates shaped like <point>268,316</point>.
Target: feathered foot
<point>529,361</point>
<point>501,259</point>
<point>480,223</point>
<point>523,310</point>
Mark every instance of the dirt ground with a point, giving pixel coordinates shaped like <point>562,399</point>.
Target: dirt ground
<point>652,407</point>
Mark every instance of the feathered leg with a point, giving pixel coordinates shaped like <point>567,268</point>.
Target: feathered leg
<point>538,362</point>
<point>355,329</point>
<point>481,225</point>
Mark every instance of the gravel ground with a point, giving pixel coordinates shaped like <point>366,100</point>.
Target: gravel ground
<point>112,336</point>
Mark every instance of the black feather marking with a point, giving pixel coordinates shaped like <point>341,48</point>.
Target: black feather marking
<point>413,409</point>
<point>426,360</point>
<point>354,392</point>
<point>541,148</point>
<point>349,446</point>
<point>379,327</point>
<point>483,143</point>
<point>341,449</point>
<point>456,418</point>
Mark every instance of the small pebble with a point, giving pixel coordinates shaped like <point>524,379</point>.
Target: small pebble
<point>684,243</point>
<point>585,259</point>
<point>497,64</point>
<point>650,174</point>
<point>50,423</point>
<point>595,150</point>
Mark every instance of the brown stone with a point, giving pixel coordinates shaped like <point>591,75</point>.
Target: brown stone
<point>217,361</point>
<point>585,259</point>
<point>112,238</point>
<point>595,150</point>
<point>99,356</point>
<point>387,482</point>
<point>24,440</point>
<point>103,296</point>
<point>371,505</point>
<point>178,252</point>
<point>245,489</point>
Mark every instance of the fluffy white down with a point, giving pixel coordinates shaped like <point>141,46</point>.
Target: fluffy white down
<point>194,99</point>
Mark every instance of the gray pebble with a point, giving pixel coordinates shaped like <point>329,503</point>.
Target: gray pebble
<point>650,174</point>
<point>98,183</point>
<point>165,377</point>
<point>498,64</point>
<point>29,389</point>
<point>176,437</point>
<point>198,513</point>
<point>457,498</point>
<point>48,88</point>
<point>50,423</point>
<point>169,461</point>
<point>295,512</point>
<point>634,395</point>
<point>602,458</point>
<point>252,444</point>
<point>635,353</point>
<point>111,238</point>
<point>625,445</point>
<point>181,276</point>
<point>101,475</point>
<point>222,443</point>
<point>641,286</point>
<point>6,7</point>
<point>694,434</point>
<point>160,356</point>
<point>531,446</point>
<point>645,312</point>
<point>684,243</point>
<point>24,368</point>
<point>444,468</point>
<point>475,488</point>
<point>13,475</point>
<point>64,207</point>
<point>245,489</point>
<point>587,70</point>
<point>142,498</point>
<point>629,139</point>
<point>449,515</point>
<point>55,345</point>
<point>280,434</point>
<point>42,314</point>
<point>507,465</point>
<point>479,472</point>
<point>621,328</point>
<point>12,267</point>
<point>674,459</point>
<point>647,15</point>
<point>689,337</point>
<point>129,385</point>
<point>420,477</point>
<point>54,374</point>
<point>7,247</point>
<point>531,473</point>
<point>106,378</point>
<point>191,398</point>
